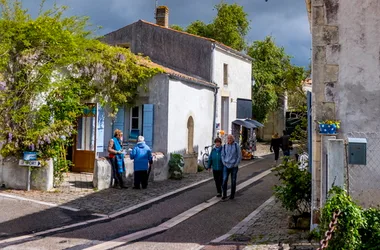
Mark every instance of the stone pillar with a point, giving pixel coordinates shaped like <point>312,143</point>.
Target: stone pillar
<point>325,74</point>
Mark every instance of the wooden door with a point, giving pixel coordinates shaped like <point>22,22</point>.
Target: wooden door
<point>85,143</point>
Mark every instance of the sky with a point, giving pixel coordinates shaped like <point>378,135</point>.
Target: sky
<point>285,20</point>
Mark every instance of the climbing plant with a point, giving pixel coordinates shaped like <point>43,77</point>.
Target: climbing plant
<point>49,67</point>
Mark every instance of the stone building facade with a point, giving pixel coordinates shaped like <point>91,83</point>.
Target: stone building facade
<point>345,76</point>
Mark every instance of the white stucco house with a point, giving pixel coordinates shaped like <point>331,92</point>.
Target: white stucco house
<point>204,88</point>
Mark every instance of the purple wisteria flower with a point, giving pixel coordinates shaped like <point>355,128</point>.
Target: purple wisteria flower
<point>121,57</point>
<point>31,147</point>
<point>10,136</point>
<point>2,86</point>
<point>114,78</point>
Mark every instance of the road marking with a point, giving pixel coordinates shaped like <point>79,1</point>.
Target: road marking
<point>130,209</point>
<point>174,221</point>
<point>105,217</point>
<point>38,202</point>
<point>243,223</point>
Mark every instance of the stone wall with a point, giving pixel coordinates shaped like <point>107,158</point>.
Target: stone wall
<point>183,52</point>
<point>345,71</point>
<point>14,176</point>
<point>103,171</point>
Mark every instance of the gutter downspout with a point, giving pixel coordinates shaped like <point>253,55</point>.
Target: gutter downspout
<point>215,92</point>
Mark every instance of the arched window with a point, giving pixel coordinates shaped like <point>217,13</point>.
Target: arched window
<point>190,135</point>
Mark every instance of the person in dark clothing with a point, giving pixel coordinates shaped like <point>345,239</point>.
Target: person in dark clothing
<point>117,158</point>
<point>285,144</point>
<point>215,163</point>
<point>275,146</point>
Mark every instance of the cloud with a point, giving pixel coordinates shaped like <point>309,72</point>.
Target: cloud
<point>285,20</point>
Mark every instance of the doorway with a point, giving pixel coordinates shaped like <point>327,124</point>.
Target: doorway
<point>85,148</point>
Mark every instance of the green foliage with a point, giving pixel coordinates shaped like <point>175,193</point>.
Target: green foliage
<point>371,232</point>
<point>230,26</point>
<point>274,76</point>
<point>200,168</point>
<point>49,66</point>
<point>350,222</point>
<point>176,165</point>
<point>295,189</point>
<point>357,228</point>
<point>176,27</point>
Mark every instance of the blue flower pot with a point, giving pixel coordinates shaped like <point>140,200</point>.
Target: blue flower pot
<point>327,128</point>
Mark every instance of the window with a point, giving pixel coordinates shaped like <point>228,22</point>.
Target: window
<point>135,118</point>
<point>225,74</point>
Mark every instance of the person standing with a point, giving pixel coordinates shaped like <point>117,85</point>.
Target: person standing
<point>215,163</point>
<point>285,143</point>
<point>231,157</point>
<point>275,146</point>
<point>142,156</point>
<point>117,158</point>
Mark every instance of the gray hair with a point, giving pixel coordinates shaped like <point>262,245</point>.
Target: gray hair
<point>230,135</point>
<point>140,139</point>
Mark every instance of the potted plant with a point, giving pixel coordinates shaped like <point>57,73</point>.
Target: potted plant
<point>328,126</point>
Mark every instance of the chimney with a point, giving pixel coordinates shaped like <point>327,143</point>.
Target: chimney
<point>162,16</point>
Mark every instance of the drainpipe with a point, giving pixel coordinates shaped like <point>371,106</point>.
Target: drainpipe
<point>214,122</point>
<point>215,91</point>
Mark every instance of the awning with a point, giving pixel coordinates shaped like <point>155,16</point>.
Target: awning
<point>244,124</point>
<point>254,122</point>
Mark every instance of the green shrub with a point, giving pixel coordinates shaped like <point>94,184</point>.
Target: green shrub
<point>295,189</point>
<point>370,233</point>
<point>200,168</point>
<point>176,165</point>
<point>350,223</point>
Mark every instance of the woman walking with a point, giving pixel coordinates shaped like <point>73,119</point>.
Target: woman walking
<point>215,162</point>
<point>275,146</point>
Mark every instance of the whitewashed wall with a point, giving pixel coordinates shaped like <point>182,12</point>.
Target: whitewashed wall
<point>239,80</point>
<point>185,100</point>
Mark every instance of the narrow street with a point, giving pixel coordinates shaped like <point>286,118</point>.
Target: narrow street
<point>200,229</point>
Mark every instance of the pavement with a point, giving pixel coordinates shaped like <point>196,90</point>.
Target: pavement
<point>190,219</point>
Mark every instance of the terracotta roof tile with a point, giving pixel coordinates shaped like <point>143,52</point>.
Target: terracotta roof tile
<point>143,61</point>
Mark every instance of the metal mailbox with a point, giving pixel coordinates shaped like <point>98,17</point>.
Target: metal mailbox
<point>357,151</point>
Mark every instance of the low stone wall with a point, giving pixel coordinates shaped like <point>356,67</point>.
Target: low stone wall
<point>103,171</point>
<point>14,176</point>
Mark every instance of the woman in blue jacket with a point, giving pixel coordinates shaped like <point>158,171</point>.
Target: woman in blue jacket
<point>215,161</point>
<point>142,161</point>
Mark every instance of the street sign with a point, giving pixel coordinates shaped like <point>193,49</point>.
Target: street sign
<point>29,163</point>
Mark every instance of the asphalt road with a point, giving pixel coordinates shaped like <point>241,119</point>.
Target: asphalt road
<point>18,217</point>
<point>200,229</point>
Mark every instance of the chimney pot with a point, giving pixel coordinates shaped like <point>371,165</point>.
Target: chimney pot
<point>162,16</point>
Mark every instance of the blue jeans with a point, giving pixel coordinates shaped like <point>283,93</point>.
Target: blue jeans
<point>226,174</point>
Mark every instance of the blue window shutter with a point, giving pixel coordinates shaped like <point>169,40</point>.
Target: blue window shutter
<point>119,121</point>
<point>148,124</point>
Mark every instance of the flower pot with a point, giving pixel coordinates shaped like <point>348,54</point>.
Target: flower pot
<point>327,128</point>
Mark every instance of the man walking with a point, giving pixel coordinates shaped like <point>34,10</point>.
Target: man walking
<point>142,156</point>
<point>285,143</point>
<point>231,157</point>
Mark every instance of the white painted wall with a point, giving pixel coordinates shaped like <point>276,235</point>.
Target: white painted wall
<point>239,80</point>
<point>187,100</point>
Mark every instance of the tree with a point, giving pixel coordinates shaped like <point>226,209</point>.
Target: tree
<point>49,67</point>
<point>176,27</point>
<point>230,26</point>
<point>274,75</point>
